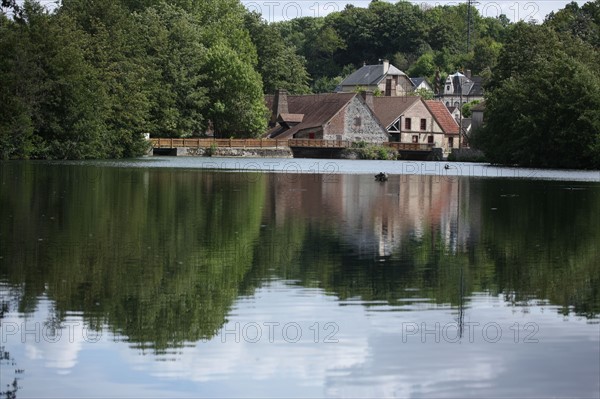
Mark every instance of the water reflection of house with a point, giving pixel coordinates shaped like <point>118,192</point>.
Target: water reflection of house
<point>375,219</point>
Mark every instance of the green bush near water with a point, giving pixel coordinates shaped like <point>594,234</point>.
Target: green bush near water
<point>364,150</point>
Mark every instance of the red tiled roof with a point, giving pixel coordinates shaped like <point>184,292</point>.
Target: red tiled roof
<point>388,109</point>
<point>442,116</point>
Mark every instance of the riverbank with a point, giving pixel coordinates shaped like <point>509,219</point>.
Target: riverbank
<point>330,168</point>
<point>285,152</point>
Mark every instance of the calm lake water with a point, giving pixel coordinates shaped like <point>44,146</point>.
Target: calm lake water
<point>196,277</point>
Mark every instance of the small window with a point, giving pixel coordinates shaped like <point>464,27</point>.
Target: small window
<point>423,124</point>
<point>430,139</point>
<point>447,103</point>
<point>415,139</point>
<point>357,121</point>
<point>451,142</point>
<point>407,124</point>
<point>447,88</point>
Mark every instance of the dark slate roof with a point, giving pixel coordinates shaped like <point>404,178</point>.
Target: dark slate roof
<point>369,75</point>
<point>442,116</point>
<point>469,86</point>
<point>417,81</point>
<point>388,109</point>
<point>318,109</point>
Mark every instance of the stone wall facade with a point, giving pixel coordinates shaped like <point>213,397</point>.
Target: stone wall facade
<point>355,122</point>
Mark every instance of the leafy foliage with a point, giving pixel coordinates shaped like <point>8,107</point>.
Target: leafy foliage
<point>544,107</point>
<point>89,79</point>
<point>278,64</point>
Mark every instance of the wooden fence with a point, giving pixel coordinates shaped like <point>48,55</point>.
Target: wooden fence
<point>206,143</point>
<point>317,143</point>
<point>274,143</point>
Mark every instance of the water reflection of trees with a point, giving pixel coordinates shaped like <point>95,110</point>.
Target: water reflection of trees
<point>157,256</point>
<point>160,256</point>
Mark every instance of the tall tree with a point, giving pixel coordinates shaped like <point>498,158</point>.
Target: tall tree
<point>544,107</point>
<point>278,64</point>
<point>236,93</point>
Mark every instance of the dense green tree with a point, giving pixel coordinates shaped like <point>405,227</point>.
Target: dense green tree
<point>582,22</point>
<point>424,66</point>
<point>17,92</point>
<point>544,109</point>
<point>237,105</point>
<point>401,32</point>
<point>89,79</point>
<point>58,97</point>
<point>174,53</point>
<point>322,45</point>
<point>278,64</point>
<point>466,109</point>
<point>485,55</point>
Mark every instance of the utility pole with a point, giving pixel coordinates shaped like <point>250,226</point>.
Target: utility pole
<point>470,4</point>
<point>460,120</point>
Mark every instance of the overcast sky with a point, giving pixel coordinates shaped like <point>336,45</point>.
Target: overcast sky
<point>277,10</point>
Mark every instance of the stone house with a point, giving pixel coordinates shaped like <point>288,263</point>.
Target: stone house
<point>385,78</point>
<point>331,116</point>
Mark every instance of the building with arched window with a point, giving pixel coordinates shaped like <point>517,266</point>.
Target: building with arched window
<point>460,89</point>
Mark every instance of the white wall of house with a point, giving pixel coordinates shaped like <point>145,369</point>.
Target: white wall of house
<point>424,86</point>
<point>426,132</point>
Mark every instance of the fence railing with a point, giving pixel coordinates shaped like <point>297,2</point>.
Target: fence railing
<point>274,143</point>
<point>318,143</point>
<point>207,143</point>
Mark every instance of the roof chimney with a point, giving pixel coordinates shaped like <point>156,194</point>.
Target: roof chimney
<point>386,66</point>
<point>468,73</point>
<point>367,95</point>
<point>280,105</point>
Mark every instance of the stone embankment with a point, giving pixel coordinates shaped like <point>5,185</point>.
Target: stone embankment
<point>234,152</point>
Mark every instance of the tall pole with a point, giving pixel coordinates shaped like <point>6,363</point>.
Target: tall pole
<point>469,16</point>
<point>460,106</point>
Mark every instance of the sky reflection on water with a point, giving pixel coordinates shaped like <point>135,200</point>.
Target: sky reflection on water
<point>178,282</point>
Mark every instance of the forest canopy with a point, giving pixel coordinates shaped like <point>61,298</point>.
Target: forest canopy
<point>89,79</point>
